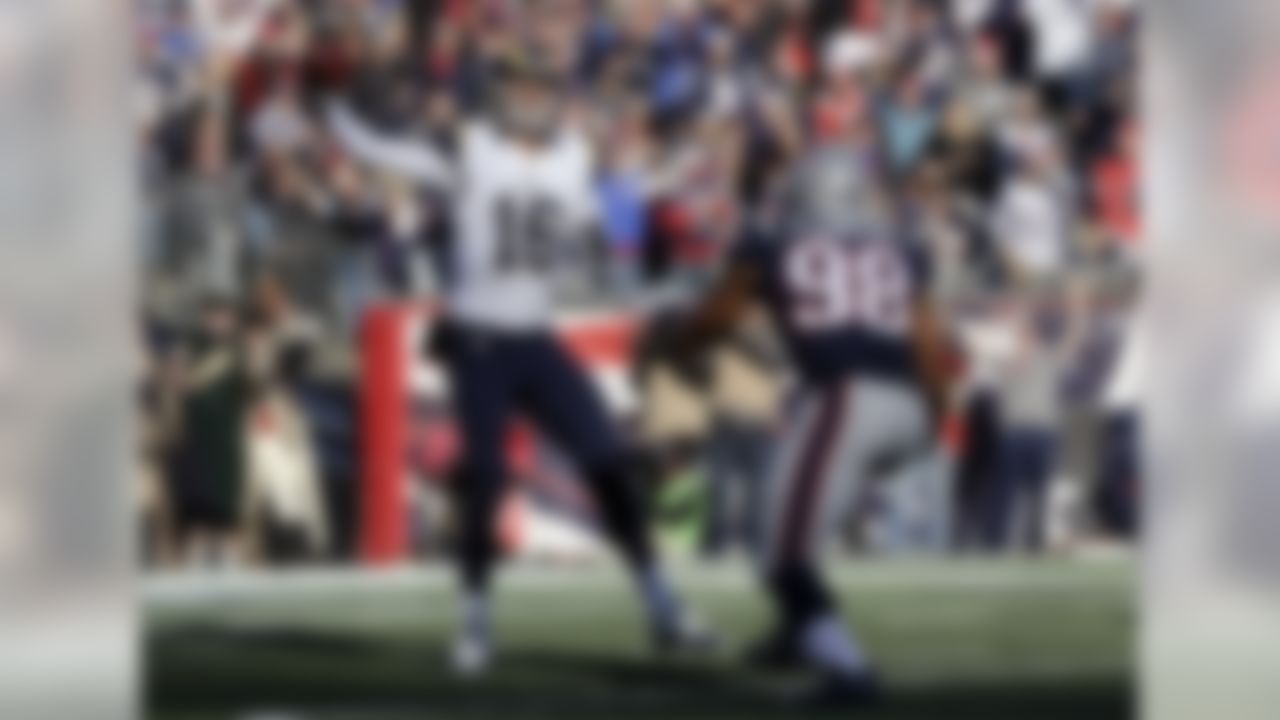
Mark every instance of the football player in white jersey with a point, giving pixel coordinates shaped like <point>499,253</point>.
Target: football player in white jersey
<point>523,205</point>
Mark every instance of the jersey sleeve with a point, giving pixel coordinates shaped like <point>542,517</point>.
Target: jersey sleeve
<point>418,161</point>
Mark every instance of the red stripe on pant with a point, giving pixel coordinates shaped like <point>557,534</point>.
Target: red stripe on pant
<point>806,488</point>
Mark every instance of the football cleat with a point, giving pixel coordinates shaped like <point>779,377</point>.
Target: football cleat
<point>471,656</point>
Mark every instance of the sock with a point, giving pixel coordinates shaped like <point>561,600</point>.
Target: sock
<point>828,644</point>
<point>476,616</point>
<point>478,493</point>
<point>799,594</point>
<point>660,598</point>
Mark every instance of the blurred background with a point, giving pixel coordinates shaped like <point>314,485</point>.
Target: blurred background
<point>288,418</point>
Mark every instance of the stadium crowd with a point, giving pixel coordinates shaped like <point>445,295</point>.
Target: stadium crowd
<point>1007,129</point>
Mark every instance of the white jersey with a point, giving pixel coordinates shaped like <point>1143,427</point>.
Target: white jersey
<point>520,214</point>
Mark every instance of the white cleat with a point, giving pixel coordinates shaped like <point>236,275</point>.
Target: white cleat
<point>471,656</point>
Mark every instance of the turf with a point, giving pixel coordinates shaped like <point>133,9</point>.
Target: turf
<point>991,640</point>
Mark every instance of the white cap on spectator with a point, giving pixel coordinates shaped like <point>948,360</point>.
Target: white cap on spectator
<point>970,14</point>
<point>148,103</point>
<point>683,8</point>
<point>851,52</point>
<point>232,27</point>
<point>278,126</point>
<point>1063,40</point>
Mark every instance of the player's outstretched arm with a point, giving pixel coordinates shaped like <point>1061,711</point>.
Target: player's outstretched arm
<point>936,354</point>
<point>414,159</point>
<point>720,311</point>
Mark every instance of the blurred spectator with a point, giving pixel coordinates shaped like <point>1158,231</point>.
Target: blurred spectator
<point>1025,132</point>
<point>909,117</point>
<point>280,124</point>
<point>1031,220</point>
<point>1119,466</point>
<point>1116,189</point>
<point>983,84</point>
<point>961,259</point>
<point>967,154</point>
<point>202,244</point>
<point>744,394</point>
<point>159,436</point>
<point>285,509</point>
<point>207,483</point>
<point>1031,411</point>
<point>1063,44</point>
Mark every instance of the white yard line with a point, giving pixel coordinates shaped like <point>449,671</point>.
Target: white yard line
<point>194,590</point>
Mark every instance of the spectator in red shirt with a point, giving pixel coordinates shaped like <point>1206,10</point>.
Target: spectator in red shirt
<point>1115,189</point>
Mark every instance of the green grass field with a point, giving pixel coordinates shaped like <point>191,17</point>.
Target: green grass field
<point>1008,640</point>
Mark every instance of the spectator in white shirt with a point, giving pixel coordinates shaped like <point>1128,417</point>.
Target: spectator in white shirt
<point>1062,34</point>
<point>1026,130</point>
<point>1030,221</point>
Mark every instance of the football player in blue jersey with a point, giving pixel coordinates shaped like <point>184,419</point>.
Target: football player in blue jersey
<point>848,294</point>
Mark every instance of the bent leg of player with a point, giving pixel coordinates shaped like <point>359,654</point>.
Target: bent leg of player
<point>481,387</point>
<point>563,400</point>
<point>818,474</point>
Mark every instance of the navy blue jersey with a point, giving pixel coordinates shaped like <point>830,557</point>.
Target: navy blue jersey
<point>842,302</point>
